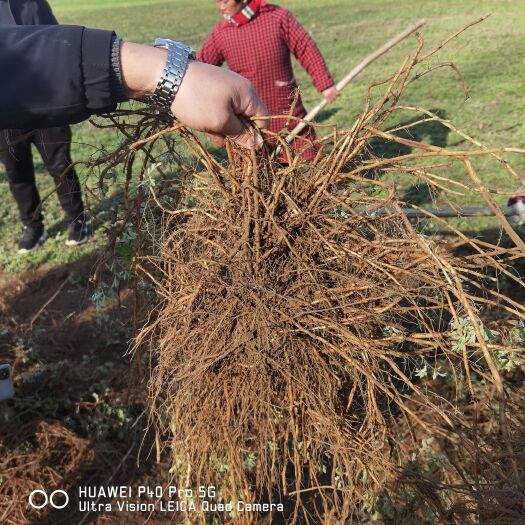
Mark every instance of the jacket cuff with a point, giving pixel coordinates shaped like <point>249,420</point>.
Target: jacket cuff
<point>97,70</point>
<point>324,83</point>
<point>117,88</point>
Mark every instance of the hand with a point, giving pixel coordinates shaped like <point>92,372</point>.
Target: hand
<point>210,99</point>
<point>330,94</point>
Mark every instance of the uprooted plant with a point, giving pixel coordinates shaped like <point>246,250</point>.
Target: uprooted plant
<point>294,321</point>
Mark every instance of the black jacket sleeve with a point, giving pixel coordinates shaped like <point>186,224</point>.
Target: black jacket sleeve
<point>53,75</point>
<point>32,12</point>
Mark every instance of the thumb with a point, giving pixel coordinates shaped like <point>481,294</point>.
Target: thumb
<point>240,131</point>
<point>248,104</point>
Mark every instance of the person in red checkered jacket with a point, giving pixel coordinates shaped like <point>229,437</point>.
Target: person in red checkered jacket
<point>255,39</point>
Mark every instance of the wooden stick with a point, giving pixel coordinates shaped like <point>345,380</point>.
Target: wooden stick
<point>508,211</point>
<point>346,80</point>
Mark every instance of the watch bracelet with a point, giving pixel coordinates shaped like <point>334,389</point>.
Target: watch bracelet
<point>172,75</point>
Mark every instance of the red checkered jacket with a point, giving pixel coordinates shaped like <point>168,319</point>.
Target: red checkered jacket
<point>260,51</point>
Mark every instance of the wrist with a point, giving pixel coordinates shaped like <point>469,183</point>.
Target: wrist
<point>138,81</point>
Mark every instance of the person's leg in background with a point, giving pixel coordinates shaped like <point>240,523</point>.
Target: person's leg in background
<point>16,156</point>
<point>54,146</point>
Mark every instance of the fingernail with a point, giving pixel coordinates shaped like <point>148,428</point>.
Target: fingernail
<point>258,140</point>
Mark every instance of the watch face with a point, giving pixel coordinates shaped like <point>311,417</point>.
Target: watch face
<point>165,42</point>
<point>162,42</point>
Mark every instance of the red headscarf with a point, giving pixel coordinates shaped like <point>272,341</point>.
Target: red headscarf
<point>248,13</point>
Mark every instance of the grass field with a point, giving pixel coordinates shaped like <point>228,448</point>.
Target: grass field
<point>490,56</point>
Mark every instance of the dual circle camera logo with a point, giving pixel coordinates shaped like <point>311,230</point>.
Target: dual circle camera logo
<point>58,499</point>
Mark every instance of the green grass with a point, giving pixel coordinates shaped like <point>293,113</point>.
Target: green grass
<point>489,55</point>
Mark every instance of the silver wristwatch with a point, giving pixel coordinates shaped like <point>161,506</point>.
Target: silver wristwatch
<point>176,64</point>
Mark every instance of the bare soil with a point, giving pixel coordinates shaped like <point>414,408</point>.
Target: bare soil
<point>56,434</point>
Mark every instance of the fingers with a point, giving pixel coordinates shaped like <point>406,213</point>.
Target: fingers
<point>250,139</point>
<point>218,140</point>
<point>331,94</point>
<point>250,105</point>
<point>240,131</point>
<point>247,104</point>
